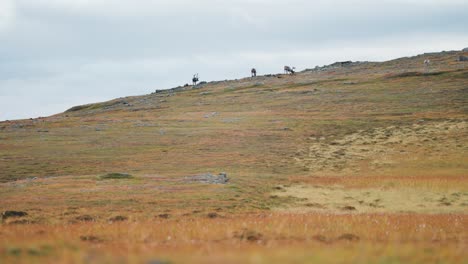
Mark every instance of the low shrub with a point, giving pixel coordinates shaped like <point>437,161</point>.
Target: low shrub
<point>115,175</point>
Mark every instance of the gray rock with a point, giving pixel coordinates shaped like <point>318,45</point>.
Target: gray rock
<point>223,178</point>
<point>341,63</point>
<point>209,178</point>
<point>211,114</point>
<point>463,58</point>
<point>465,49</point>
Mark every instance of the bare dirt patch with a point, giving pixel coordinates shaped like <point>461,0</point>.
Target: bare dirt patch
<point>374,200</point>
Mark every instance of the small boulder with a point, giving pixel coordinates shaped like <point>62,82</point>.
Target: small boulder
<point>164,216</point>
<point>212,215</point>
<point>222,178</point>
<point>91,238</point>
<point>118,218</point>
<point>348,208</point>
<point>209,178</point>
<point>463,58</point>
<point>85,218</point>
<point>348,237</point>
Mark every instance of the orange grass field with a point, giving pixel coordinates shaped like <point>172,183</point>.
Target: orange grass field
<point>356,164</point>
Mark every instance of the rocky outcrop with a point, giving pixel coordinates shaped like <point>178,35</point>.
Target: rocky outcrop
<point>336,65</point>
<point>209,178</point>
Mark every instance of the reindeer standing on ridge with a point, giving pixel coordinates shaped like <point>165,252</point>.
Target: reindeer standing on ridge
<point>195,79</point>
<point>253,72</point>
<point>289,70</point>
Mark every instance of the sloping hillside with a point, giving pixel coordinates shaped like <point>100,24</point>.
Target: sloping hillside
<point>355,139</point>
<point>266,125</point>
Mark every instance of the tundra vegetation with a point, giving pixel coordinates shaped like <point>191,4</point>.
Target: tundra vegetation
<point>355,163</point>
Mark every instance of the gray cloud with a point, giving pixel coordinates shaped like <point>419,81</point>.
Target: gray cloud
<point>58,53</point>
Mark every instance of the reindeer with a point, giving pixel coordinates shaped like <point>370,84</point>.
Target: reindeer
<point>195,79</point>
<point>427,62</point>
<point>289,70</point>
<point>253,72</point>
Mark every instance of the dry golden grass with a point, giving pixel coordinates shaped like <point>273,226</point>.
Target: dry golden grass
<point>262,238</point>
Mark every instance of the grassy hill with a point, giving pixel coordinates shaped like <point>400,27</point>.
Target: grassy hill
<point>315,160</point>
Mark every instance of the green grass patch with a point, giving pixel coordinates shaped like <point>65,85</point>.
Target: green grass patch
<point>94,106</point>
<point>116,176</point>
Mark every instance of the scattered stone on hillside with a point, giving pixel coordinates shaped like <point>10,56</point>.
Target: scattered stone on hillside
<point>212,114</point>
<point>341,63</point>
<point>200,85</point>
<point>212,215</point>
<point>465,49</point>
<point>348,208</point>
<point>279,188</point>
<point>231,120</point>
<point>316,205</point>
<point>164,216</point>
<point>463,58</point>
<point>85,218</point>
<point>144,125</point>
<point>336,65</point>
<point>9,214</point>
<point>91,238</point>
<point>209,178</point>
<point>118,218</point>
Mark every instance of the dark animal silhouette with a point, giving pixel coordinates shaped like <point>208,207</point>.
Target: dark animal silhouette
<point>253,72</point>
<point>289,70</point>
<point>195,79</point>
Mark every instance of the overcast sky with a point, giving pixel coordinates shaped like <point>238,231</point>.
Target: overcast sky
<point>55,54</point>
